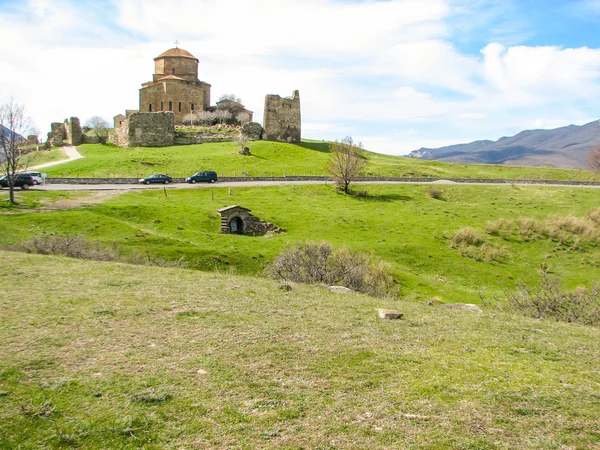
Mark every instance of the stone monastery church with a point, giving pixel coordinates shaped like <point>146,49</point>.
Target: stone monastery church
<point>175,86</point>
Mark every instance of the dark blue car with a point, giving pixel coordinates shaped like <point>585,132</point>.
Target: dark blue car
<point>157,178</point>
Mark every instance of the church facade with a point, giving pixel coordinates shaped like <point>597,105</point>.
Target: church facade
<point>175,86</point>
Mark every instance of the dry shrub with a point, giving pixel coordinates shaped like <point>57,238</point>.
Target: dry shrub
<point>570,228</point>
<point>594,216</point>
<point>547,300</point>
<point>467,236</point>
<point>501,227</point>
<point>435,192</point>
<point>80,247</point>
<point>73,246</point>
<point>319,262</point>
<point>470,243</point>
<point>529,228</point>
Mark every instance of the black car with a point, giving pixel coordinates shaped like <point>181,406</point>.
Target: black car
<point>157,178</point>
<point>22,180</point>
<point>208,176</point>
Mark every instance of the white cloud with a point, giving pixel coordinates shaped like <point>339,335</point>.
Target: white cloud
<point>373,69</point>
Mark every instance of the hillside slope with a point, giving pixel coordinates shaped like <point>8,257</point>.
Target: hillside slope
<point>103,355</point>
<point>564,147</point>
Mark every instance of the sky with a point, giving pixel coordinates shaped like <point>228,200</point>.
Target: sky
<point>396,75</point>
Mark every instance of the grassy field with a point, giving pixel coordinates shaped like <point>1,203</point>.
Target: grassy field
<point>277,159</point>
<point>401,224</point>
<point>45,156</point>
<point>105,355</point>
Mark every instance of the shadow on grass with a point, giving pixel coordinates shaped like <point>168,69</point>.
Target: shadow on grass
<point>382,198</point>
<point>322,147</point>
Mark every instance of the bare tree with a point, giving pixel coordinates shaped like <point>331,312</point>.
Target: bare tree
<point>14,125</point>
<point>243,117</point>
<point>100,127</point>
<point>594,159</point>
<point>242,140</point>
<point>231,97</point>
<point>345,162</point>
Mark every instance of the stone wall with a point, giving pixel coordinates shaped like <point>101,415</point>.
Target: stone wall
<point>150,130</point>
<point>201,137</point>
<point>282,120</point>
<point>57,134</point>
<point>73,131</point>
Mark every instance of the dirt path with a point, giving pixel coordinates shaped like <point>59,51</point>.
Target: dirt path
<point>72,155</point>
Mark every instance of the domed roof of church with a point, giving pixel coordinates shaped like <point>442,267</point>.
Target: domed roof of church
<point>176,52</point>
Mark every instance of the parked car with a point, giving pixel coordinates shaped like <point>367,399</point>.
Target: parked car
<point>157,178</point>
<point>208,176</point>
<point>22,180</point>
<point>37,177</point>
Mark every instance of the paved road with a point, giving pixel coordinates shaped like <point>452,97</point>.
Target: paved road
<point>128,187</point>
<point>72,155</point>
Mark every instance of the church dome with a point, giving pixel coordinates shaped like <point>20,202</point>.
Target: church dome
<point>177,53</point>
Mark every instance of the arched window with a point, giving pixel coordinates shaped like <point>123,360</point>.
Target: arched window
<point>161,106</point>
<point>173,70</point>
<point>170,105</point>
<point>150,107</point>
<point>179,106</point>
<point>192,107</point>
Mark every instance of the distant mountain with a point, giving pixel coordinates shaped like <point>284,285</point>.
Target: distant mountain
<point>565,147</point>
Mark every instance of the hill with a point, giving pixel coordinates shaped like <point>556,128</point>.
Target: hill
<point>565,147</point>
<point>104,355</point>
<point>277,159</point>
<point>401,224</point>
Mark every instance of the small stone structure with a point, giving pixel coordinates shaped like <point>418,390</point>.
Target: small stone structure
<point>238,220</point>
<point>57,134</point>
<point>282,120</point>
<point>146,130</point>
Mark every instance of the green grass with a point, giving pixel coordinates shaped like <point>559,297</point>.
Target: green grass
<point>401,224</point>
<point>45,156</point>
<point>277,159</point>
<point>104,355</point>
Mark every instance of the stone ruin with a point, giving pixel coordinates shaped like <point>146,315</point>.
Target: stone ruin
<point>145,130</point>
<point>238,220</point>
<point>69,130</point>
<point>282,120</point>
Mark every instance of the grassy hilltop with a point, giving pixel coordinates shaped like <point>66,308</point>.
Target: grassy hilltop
<point>276,158</point>
<point>105,355</point>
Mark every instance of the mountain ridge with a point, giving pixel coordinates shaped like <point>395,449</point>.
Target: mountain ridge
<point>564,147</point>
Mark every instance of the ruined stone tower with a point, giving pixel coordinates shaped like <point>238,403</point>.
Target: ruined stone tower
<point>175,86</point>
<point>282,118</point>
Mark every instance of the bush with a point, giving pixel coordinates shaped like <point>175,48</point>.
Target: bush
<point>435,192</point>
<point>569,228</point>
<point>547,300</point>
<point>80,247</point>
<point>467,236</point>
<point>529,228</point>
<point>594,216</point>
<point>501,227</point>
<point>319,262</point>
<point>72,246</point>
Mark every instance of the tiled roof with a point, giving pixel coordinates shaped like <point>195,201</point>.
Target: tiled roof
<point>177,52</point>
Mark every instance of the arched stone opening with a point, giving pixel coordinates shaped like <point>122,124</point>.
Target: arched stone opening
<point>236,225</point>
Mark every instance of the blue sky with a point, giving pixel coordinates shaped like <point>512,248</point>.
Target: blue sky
<point>397,75</point>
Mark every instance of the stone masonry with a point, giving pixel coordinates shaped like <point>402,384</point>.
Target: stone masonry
<point>282,121</point>
<point>74,134</point>
<point>238,220</point>
<point>149,130</point>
